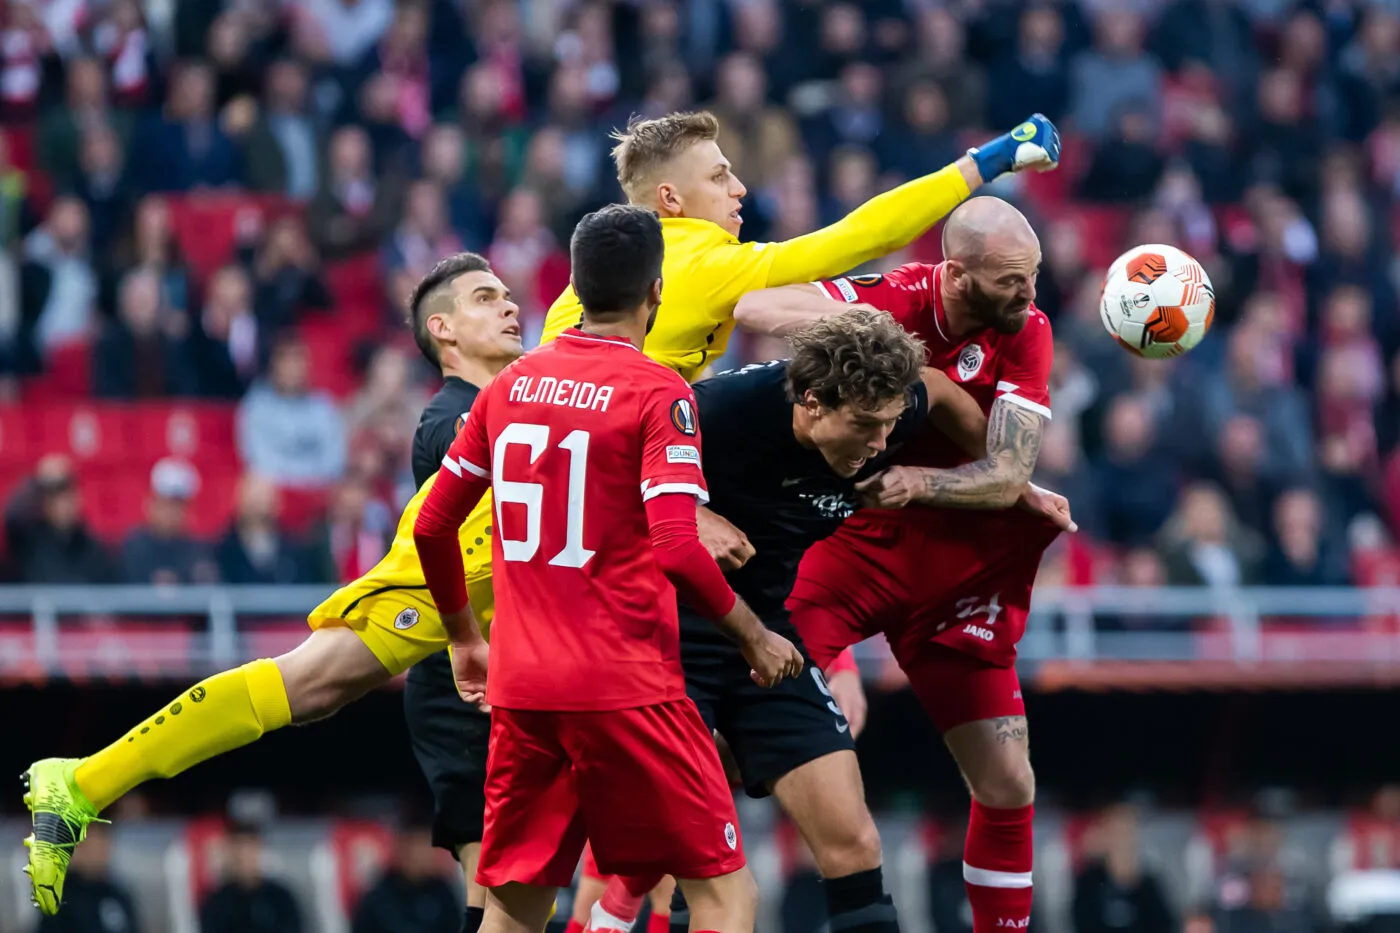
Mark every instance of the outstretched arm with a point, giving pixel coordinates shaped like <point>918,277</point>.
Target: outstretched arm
<point>896,218</point>
<point>782,311</point>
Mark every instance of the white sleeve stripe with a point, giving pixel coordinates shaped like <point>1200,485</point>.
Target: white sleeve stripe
<point>473,469</point>
<point>1027,404</point>
<point>457,465</point>
<point>1007,387</point>
<point>651,492</point>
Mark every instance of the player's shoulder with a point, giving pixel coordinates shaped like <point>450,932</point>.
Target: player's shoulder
<point>705,241</point>
<point>449,404</point>
<point>745,380</point>
<point>1038,331</point>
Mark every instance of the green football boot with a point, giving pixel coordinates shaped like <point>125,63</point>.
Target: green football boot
<point>61,815</point>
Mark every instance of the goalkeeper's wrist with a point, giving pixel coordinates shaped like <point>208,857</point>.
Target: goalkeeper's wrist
<point>994,158</point>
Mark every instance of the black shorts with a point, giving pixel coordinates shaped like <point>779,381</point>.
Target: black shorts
<point>449,739</point>
<point>771,730</point>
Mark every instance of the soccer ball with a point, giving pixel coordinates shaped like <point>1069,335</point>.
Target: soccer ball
<point>1157,301</point>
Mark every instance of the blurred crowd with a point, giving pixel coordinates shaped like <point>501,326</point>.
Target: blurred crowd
<point>1259,871</point>
<point>1263,136</point>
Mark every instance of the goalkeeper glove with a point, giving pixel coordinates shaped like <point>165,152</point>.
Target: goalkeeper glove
<point>1034,144</point>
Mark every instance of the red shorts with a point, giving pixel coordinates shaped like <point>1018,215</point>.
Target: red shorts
<point>950,590</point>
<point>643,786</point>
<point>590,867</point>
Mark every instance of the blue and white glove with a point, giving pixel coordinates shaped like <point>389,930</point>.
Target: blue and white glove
<point>1034,144</point>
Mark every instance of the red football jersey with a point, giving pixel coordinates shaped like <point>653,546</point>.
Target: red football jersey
<point>576,436</point>
<point>988,365</point>
<point>974,603</point>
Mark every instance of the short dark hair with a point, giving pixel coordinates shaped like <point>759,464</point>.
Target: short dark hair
<point>444,273</point>
<point>858,357</point>
<point>616,253</point>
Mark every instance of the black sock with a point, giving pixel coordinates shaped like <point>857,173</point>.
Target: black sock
<point>858,904</point>
<point>471,920</point>
<point>680,912</point>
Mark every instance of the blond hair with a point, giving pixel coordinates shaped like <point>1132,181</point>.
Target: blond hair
<point>645,146</point>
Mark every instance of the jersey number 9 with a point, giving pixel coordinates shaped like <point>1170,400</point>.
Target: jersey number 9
<point>531,495</point>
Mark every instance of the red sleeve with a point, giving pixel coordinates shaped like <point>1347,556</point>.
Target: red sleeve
<point>461,482</point>
<point>684,560</point>
<point>906,292</point>
<point>671,440</point>
<point>845,661</point>
<point>1024,376</point>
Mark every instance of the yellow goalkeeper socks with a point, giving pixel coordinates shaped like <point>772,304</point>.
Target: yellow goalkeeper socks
<point>217,715</point>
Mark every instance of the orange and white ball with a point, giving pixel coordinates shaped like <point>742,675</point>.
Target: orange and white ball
<point>1157,301</point>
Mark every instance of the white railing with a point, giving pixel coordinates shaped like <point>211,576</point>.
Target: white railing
<point>52,628</point>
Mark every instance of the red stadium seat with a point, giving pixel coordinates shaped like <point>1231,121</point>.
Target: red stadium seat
<point>362,850</point>
<point>114,500</point>
<point>85,431</point>
<point>17,442</point>
<point>302,508</point>
<point>206,225</point>
<point>202,432</point>
<point>19,143</point>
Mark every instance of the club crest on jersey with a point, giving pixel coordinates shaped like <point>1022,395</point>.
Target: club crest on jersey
<point>406,619</point>
<point>731,838</point>
<point>970,361</point>
<point>683,416</point>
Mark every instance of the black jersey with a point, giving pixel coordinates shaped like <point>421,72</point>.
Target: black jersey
<point>783,496</point>
<point>439,425</point>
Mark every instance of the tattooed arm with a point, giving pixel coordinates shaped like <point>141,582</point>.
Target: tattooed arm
<point>1014,433</point>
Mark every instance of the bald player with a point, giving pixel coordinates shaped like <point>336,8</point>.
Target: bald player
<point>950,588</point>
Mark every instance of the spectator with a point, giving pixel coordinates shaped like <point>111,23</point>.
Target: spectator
<point>1113,894</point>
<point>1243,472</point>
<point>1138,486</point>
<point>423,236</point>
<point>151,243</point>
<point>282,150</point>
<point>287,277</point>
<point>121,37</point>
<point>288,432</point>
<point>1303,553</point>
<point>379,113</point>
<point>356,532</point>
<point>185,147</point>
<point>86,107</point>
<point>444,162</point>
<point>545,175</point>
<point>1260,890</point>
<point>93,900</point>
<point>238,72</point>
<point>855,115</point>
<point>757,136</point>
<point>1288,143</point>
<point>47,538</point>
<point>925,141</point>
<point>760,29</point>
<point>103,187</point>
<point>352,209</point>
<point>135,356</point>
<point>61,291</point>
<point>1116,76</point>
<point>255,550</point>
<point>222,353</point>
<point>1033,78</point>
<point>163,552</point>
<point>496,141</point>
<point>571,110</point>
<point>853,182</point>
<point>940,56</point>
<point>24,42</point>
<point>1204,545</point>
<point>1129,169</point>
<point>413,895</point>
<point>248,901</point>
<point>528,259</point>
<point>1061,467</point>
<point>339,32</point>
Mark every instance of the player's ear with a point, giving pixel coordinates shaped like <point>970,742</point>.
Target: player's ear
<point>438,327</point>
<point>654,294</point>
<point>668,198</point>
